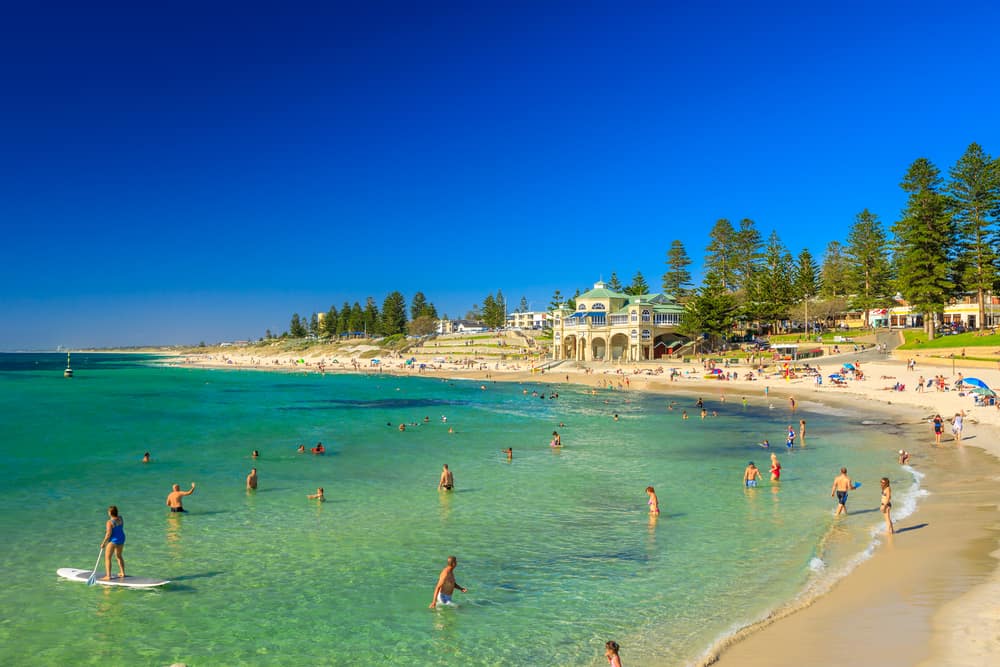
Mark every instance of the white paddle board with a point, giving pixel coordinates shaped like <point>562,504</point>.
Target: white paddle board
<point>76,574</point>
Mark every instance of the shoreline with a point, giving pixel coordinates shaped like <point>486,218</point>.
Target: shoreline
<point>879,592</point>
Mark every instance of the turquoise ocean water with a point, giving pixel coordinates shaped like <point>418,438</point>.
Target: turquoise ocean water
<point>556,548</point>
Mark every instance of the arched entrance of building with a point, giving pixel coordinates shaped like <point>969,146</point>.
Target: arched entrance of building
<point>569,348</point>
<point>619,347</point>
<point>598,349</point>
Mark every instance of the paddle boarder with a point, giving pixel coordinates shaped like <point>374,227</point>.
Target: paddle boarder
<point>174,498</point>
<point>446,584</point>
<point>114,540</point>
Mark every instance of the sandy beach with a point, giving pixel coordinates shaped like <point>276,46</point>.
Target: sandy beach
<point>927,597</point>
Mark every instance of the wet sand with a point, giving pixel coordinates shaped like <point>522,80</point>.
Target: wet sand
<point>901,607</point>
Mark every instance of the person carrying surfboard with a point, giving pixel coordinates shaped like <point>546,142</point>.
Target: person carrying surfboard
<point>114,540</point>
<point>174,498</point>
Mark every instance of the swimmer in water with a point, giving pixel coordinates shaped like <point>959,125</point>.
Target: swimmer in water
<point>611,653</point>
<point>447,481</point>
<point>318,495</point>
<point>509,452</point>
<point>766,444</point>
<point>145,457</point>
<point>556,439</point>
<point>775,468</point>
<point>750,475</point>
<point>654,503</point>
<point>254,454</point>
<point>684,414</point>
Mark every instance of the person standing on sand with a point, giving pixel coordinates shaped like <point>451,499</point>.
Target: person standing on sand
<point>750,475</point>
<point>956,425</point>
<point>174,498</point>
<point>841,485</point>
<point>938,428</point>
<point>446,584</point>
<point>886,505</point>
<point>447,481</point>
<point>114,540</point>
<point>252,480</point>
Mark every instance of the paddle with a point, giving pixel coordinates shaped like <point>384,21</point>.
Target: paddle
<point>93,575</point>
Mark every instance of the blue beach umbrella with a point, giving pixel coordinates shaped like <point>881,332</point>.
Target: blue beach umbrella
<point>836,376</point>
<point>975,382</point>
<point>849,366</point>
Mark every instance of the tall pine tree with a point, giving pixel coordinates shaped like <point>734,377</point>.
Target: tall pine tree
<point>869,270</point>
<point>834,272</point>
<point>614,284</point>
<point>924,239</point>
<point>638,285</point>
<point>771,293</point>
<point>393,315</point>
<point>747,254</point>
<point>975,200</point>
<point>712,310</point>
<point>805,282</point>
<point>720,256</point>
<point>677,277</point>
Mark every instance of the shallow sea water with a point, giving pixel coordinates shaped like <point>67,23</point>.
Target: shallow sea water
<point>557,548</point>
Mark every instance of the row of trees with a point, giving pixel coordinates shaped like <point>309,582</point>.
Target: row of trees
<point>354,319</point>
<point>945,242</point>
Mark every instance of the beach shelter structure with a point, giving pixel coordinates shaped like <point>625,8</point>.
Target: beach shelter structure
<point>617,327</point>
<point>975,382</point>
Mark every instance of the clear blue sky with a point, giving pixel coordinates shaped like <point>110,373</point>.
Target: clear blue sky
<point>185,173</point>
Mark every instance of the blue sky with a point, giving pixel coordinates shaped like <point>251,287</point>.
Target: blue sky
<point>186,172</point>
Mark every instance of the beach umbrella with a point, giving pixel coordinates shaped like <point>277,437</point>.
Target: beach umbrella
<point>975,382</point>
<point>836,376</point>
<point>849,367</point>
<point>984,391</point>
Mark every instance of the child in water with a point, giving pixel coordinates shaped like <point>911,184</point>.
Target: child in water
<point>611,653</point>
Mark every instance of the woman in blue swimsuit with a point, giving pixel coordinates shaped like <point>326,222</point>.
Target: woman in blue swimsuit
<point>114,539</point>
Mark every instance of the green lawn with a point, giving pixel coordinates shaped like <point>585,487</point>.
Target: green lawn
<point>827,337</point>
<point>917,340</point>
